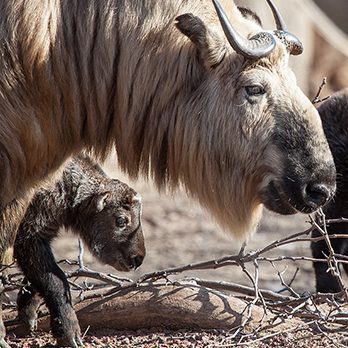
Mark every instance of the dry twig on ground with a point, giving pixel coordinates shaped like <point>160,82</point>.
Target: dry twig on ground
<point>319,309</point>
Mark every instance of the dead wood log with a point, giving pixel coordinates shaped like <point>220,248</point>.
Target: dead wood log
<point>160,305</point>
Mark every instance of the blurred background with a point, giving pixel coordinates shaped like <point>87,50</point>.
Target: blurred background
<point>322,26</point>
<point>178,232</point>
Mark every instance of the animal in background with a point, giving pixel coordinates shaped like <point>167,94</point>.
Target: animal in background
<point>334,115</point>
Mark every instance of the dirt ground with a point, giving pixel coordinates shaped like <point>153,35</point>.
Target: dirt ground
<point>178,232</point>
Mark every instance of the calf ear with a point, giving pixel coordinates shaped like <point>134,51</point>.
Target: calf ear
<point>210,45</point>
<point>102,200</point>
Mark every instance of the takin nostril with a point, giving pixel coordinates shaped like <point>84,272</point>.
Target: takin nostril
<point>137,261</point>
<point>316,194</point>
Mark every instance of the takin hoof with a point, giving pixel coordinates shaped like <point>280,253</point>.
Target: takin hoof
<point>66,328</point>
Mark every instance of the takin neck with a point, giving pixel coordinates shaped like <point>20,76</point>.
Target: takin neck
<point>167,128</point>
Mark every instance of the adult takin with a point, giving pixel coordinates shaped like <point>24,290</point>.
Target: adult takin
<point>186,97</point>
<point>184,100</point>
<point>104,212</point>
<point>334,115</point>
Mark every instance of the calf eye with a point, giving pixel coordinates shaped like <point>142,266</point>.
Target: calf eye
<point>255,90</point>
<point>121,222</point>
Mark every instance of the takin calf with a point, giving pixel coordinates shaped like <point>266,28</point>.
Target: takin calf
<point>334,115</point>
<point>104,212</point>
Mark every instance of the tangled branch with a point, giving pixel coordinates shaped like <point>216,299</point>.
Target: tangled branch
<point>318,309</point>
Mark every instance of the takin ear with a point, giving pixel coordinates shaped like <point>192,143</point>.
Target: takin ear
<point>210,45</point>
<point>249,14</point>
<point>101,201</point>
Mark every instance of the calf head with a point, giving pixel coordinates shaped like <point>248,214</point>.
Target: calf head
<point>109,223</point>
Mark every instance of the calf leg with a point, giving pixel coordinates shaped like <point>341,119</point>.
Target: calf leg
<point>28,303</point>
<point>34,255</point>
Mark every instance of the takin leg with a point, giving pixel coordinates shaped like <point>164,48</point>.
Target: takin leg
<point>325,281</point>
<point>10,218</point>
<point>34,255</point>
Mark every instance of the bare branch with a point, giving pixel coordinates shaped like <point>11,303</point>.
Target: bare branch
<point>331,259</point>
<point>317,98</point>
<point>320,309</point>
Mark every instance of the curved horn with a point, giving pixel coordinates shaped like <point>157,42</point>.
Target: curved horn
<point>292,43</point>
<point>277,16</point>
<point>258,46</point>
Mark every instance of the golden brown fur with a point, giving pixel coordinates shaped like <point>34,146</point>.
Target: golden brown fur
<point>93,74</point>
<point>157,80</point>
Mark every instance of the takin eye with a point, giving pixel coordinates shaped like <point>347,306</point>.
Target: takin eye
<point>121,222</point>
<point>254,90</point>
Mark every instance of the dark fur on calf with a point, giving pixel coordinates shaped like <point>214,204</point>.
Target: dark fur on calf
<point>334,115</point>
<point>104,212</point>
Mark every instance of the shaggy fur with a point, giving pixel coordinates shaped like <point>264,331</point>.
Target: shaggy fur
<point>157,80</point>
<point>104,212</point>
<point>334,114</point>
<point>94,74</point>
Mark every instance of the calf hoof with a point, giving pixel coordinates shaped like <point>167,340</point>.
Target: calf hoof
<point>72,342</point>
<point>28,316</point>
<point>30,323</point>
<point>66,329</point>
<point>28,302</point>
